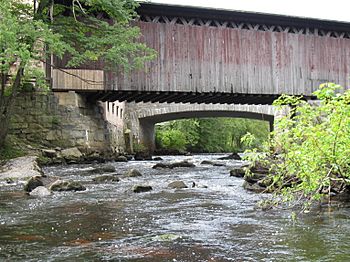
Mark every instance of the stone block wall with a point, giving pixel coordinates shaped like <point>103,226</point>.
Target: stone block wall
<point>60,120</point>
<point>114,114</point>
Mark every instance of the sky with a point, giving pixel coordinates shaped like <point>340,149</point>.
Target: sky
<point>337,10</point>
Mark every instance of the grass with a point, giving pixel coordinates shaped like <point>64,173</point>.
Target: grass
<point>11,150</point>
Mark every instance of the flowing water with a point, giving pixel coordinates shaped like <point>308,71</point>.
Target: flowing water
<point>214,221</point>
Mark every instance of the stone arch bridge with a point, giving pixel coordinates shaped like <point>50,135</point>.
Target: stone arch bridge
<point>142,117</point>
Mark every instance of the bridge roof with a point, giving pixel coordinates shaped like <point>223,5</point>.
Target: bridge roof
<point>158,9</point>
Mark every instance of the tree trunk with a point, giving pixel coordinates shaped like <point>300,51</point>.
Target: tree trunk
<point>4,127</point>
<point>6,104</point>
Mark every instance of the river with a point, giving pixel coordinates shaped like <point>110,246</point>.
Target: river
<point>214,221</point>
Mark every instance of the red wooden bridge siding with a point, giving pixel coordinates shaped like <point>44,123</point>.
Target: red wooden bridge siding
<point>232,60</point>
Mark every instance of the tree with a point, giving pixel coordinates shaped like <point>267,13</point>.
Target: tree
<point>83,30</point>
<point>314,144</point>
<point>210,134</point>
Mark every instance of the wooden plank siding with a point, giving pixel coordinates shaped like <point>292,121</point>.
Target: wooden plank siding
<point>211,59</point>
<point>78,79</point>
<point>199,58</point>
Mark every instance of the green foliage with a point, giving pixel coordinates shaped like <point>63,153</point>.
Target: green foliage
<point>139,147</point>
<point>173,139</point>
<point>210,134</point>
<point>9,150</point>
<point>83,31</point>
<point>314,145</point>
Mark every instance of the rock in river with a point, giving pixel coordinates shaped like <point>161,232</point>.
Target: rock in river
<point>132,173</point>
<point>141,188</point>
<point>20,168</point>
<point>177,185</point>
<point>103,169</point>
<point>106,178</point>
<point>40,191</point>
<point>253,187</point>
<point>233,156</point>
<point>121,159</point>
<point>71,154</point>
<point>237,172</point>
<point>36,181</point>
<point>33,183</point>
<point>184,163</point>
<point>63,185</point>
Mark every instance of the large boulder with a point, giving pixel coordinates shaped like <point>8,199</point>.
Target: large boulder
<point>36,181</point>
<point>177,185</point>
<point>141,188</point>
<point>20,168</point>
<point>64,185</point>
<point>71,154</point>
<point>50,153</point>
<point>33,183</point>
<point>40,191</point>
<point>133,173</point>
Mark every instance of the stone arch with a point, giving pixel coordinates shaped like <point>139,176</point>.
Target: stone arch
<point>148,115</point>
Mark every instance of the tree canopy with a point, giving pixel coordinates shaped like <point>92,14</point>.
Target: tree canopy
<point>83,30</point>
<point>205,135</point>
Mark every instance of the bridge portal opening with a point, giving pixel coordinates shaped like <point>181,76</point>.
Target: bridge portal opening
<point>208,135</point>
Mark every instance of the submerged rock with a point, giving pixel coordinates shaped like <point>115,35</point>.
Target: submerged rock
<point>237,172</point>
<point>63,185</point>
<point>211,163</point>
<point>158,158</point>
<point>177,185</point>
<point>106,178</point>
<point>254,177</point>
<point>121,159</point>
<point>40,191</point>
<point>162,165</point>
<point>141,188</point>
<point>103,169</point>
<point>166,237</point>
<point>207,162</point>
<point>133,173</point>
<point>233,156</point>
<point>184,163</point>
<point>140,156</point>
<point>254,187</point>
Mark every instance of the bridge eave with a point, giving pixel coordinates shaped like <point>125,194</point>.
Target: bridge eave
<point>158,9</point>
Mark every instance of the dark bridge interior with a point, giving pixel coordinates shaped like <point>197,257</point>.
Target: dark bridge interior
<point>180,97</point>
